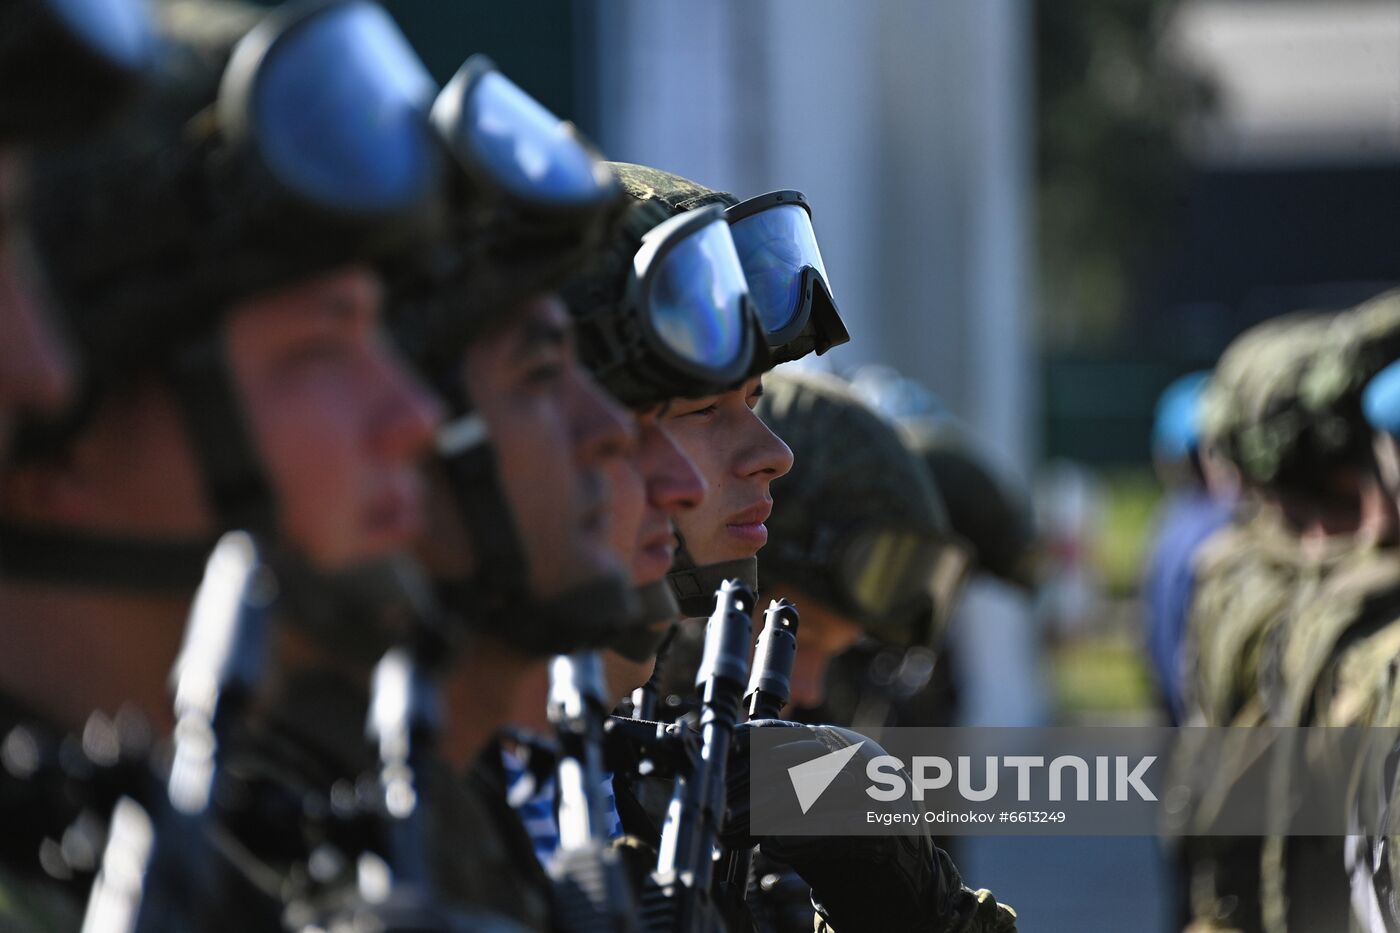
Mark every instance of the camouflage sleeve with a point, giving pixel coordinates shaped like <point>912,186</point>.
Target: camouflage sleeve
<point>964,910</point>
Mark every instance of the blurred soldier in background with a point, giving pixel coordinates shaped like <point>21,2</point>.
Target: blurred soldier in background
<point>1362,686</point>
<point>858,529</point>
<point>65,69</point>
<point>59,80</point>
<point>1198,504</point>
<point>1334,647</point>
<point>1277,413</point>
<point>1284,408</point>
<point>992,532</point>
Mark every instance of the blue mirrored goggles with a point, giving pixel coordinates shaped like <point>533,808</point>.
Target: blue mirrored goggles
<point>695,301</point>
<point>683,327</point>
<point>333,101</point>
<point>514,147</point>
<point>66,64</point>
<point>118,31</point>
<point>783,264</point>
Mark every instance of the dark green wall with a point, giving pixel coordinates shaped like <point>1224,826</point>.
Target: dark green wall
<point>533,42</point>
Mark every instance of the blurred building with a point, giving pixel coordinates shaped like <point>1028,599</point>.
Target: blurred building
<point>1293,202</point>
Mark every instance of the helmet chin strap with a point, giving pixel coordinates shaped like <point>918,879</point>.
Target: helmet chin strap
<point>497,599</point>
<point>360,611</point>
<point>237,488</point>
<point>656,606</point>
<point>234,478</point>
<point>694,587</point>
<point>67,557</point>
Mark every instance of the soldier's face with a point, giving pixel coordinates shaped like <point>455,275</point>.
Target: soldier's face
<point>34,370</point>
<point>339,422</point>
<point>739,457</point>
<point>825,635</point>
<point>650,488</point>
<point>556,435</point>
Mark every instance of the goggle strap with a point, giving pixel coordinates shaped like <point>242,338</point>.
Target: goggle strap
<point>502,568</point>
<point>694,587</point>
<point>234,479</point>
<point>141,565</point>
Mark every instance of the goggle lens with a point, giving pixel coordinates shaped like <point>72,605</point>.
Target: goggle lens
<point>527,149</point>
<point>697,298</point>
<point>775,245</point>
<point>118,30</point>
<point>339,111</point>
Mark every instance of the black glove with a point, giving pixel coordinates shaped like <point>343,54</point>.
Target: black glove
<point>889,883</point>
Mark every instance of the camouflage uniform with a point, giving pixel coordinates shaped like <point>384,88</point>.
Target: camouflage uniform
<point>309,751</point>
<point>1253,415</point>
<point>1284,408</point>
<point>1321,670</point>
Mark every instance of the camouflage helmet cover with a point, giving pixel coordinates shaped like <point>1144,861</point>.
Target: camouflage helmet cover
<point>1284,402</point>
<point>983,509</point>
<point>654,196</point>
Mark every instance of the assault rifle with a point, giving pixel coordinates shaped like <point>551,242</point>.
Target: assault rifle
<point>768,692</point>
<point>592,889</point>
<point>678,896</point>
<point>158,871</point>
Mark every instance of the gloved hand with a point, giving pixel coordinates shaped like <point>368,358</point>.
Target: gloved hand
<point>888,883</point>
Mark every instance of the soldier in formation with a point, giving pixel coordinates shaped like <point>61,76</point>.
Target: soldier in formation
<point>348,424</point>
<point>1290,618</point>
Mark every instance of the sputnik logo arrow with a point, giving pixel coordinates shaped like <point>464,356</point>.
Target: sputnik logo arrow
<point>811,778</point>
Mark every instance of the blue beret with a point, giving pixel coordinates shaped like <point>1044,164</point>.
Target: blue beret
<point>1381,400</point>
<point>1177,430</point>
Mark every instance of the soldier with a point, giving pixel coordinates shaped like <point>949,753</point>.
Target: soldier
<point>221,280</point>
<point>534,564</point>
<point>1362,688</point>
<point>857,534</point>
<point>991,533</point>
<point>58,79</point>
<point>1196,507</point>
<point>1284,409</point>
<point>858,529</point>
<point>1334,648</point>
<point>1277,412</point>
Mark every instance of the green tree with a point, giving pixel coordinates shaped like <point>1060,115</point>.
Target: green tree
<point>1111,105</point>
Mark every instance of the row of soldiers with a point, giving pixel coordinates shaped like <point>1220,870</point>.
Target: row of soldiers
<point>1275,602</point>
<point>379,423</point>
